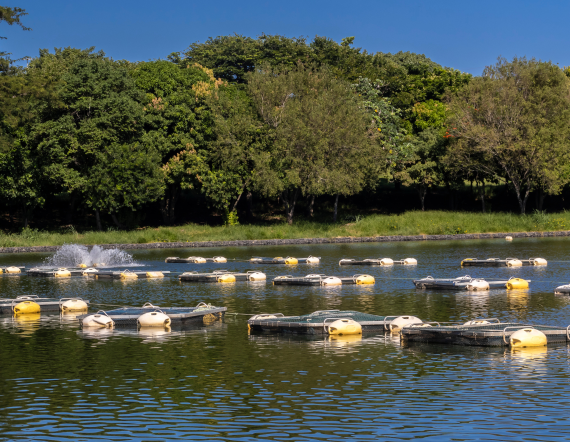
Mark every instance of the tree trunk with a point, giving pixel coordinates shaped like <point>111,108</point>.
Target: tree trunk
<point>289,200</point>
<point>164,210</point>
<point>521,200</point>
<point>71,211</point>
<point>175,193</point>
<point>335,208</point>
<point>482,195</point>
<point>310,205</point>
<point>249,201</point>
<point>116,221</point>
<point>422,190</point>
<point>450,195</point>
<point>397,185</point>
<point>539,199</point>
<point>98,220</point>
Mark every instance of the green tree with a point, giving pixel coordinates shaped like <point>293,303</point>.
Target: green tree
<point>323,140</point>
<point>514,121</point>
<point>177,122</point>
<point>237,152</point>
<point>98,123</point>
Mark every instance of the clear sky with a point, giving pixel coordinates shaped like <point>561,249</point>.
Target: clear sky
<point>466,35</point>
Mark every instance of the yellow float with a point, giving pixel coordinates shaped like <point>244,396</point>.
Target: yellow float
<point>528,337</point>
<point>26,307</point>
<point>517,283</point>
<point>365,279</point>
<point>344,327</point>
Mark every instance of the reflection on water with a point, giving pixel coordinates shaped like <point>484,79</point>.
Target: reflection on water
<point>217,382</point>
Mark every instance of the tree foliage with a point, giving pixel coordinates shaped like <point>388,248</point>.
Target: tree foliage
<point>513,122</point>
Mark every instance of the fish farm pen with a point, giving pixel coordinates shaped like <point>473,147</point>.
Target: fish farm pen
<point>319,322</point>
<point>222,276</point>
<point>288,260</point>
<point>95,273</point>
<point>378,262</point>
<point>507,262</point>
<point>153,316</point>
<point>35,304</point>
<point>488,333</point>
<point>468,283</point>
<point>195,260</point>
<point>324,280</point>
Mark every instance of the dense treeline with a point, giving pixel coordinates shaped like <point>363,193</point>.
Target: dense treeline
<point>279,119</point>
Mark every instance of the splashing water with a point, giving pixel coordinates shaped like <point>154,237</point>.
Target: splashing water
<point>73,255</point>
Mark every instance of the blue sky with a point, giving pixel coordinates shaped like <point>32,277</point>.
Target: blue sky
<point>460,34</point>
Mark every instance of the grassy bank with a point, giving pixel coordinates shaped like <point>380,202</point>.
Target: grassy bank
<point>410,223</point>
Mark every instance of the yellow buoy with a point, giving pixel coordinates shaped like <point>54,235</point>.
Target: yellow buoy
<point>82,266</point>
<point>226,278</point>
<point>62,273</point>
<point>154,275</point>
<point>364,279</point>
<point>387,262</point>
<point>73,305</point>
<point>26,307</point>
<point>514,262</point>
<point>291,261</point>
<point>528,337</point>
<point>13,270</point>
<point>344,327</point>
<point>129,275</point>
<point>220,259</point>
<point>517,283</point>
<point>154,319</point>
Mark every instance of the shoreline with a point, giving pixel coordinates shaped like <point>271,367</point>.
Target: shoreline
<point>297,241</point>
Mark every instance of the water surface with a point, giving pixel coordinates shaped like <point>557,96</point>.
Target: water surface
<point>59,383</point>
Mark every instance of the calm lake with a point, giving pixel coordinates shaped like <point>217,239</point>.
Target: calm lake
<point>60,383</point>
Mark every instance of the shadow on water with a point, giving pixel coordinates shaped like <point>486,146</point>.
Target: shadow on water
<point>217,382</point>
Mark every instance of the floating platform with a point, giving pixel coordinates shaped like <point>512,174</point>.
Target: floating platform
<point>468,283</point>
<point>288,260</point>
<point>222,276</point>
<point>316,279</point>
<point>318,323</point>
<point>195,260</point>
<point>487,332</point>
<point>167,316</point>
<point>8,306</point>
<point>507,262</point>
<point>378,262</point>
<point>95,273</point>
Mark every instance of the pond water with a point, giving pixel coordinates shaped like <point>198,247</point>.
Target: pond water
<point>59,383</point>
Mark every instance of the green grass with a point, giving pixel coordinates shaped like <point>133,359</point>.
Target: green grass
<point>410,223</point>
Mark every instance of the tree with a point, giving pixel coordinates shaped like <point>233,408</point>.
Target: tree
<point>323,140</point>
<point>81,142</point>
<point>237,152</point>
<point>177,123</point>
<point>12,16</point>
<point>513,121</point>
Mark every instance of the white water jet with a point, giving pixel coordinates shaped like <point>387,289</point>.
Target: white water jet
<point>74,255</point>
